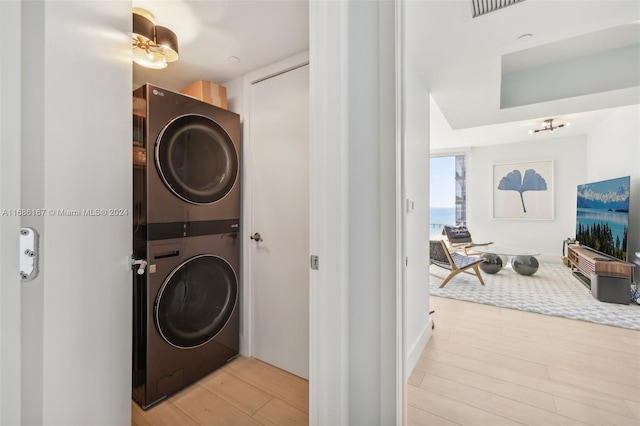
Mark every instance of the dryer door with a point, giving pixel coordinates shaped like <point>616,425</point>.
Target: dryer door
<point>196,301</point>
<point>196,159</point>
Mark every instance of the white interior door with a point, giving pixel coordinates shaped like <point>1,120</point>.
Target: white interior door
<point>279,131</point>
<point>76,167</point>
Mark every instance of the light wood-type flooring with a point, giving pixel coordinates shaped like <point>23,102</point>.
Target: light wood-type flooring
<point>486,365</point>
<point>483,366</point>
<point>244,392</point>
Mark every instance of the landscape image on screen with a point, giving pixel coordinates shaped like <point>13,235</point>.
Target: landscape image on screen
<point>603,216</point>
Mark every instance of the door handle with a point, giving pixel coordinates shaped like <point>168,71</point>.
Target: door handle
<point>256,237</point>
<point>142,264</point>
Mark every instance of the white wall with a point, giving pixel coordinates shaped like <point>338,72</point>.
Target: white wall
<point>235,95</point>
<point>546,236</point>
<point>613,150</point>
<point>10,135</point>
<point>606,71</point>
<point>355,213</point>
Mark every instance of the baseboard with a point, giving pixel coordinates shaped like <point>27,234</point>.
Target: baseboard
<point>416,349</point>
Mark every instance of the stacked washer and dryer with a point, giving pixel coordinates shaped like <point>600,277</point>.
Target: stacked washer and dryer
<point>185,226</point>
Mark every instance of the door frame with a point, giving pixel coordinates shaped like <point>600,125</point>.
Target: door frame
<point>355,58</point>
<point>337,31</point>
<point>248,80</point>
<point>298,362</point>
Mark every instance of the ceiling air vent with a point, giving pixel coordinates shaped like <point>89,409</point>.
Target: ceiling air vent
<point>482,7</point>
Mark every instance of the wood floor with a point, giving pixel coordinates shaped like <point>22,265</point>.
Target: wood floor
<point>483,366</point>
<point>245,392</point>
<point>494,366</point>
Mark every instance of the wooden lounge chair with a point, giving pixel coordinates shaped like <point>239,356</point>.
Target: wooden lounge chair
<point>459,238</point>
<point>452,261</point>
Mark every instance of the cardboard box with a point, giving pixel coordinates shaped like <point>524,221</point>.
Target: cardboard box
<point>208,92</point>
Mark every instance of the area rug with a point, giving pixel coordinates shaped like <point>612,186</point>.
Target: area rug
<point>552,290</point>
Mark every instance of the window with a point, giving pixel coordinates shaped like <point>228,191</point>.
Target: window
<point>448,192</point>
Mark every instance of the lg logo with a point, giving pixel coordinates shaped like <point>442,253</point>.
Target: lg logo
<point>156,92</point>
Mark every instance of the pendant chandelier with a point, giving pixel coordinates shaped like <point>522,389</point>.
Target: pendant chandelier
<point>154,46</point>
<point>547,125</point>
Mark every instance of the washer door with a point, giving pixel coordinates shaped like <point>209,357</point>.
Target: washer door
<point>196,301</point>
<point>196,159</point>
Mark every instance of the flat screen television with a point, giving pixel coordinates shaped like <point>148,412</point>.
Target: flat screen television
<point>602,218</point>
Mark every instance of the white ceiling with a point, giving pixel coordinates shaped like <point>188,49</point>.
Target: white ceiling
<point>458,57</point>
<point>258,32</point>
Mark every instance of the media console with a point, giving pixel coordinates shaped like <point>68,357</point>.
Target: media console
<point>608,278</point>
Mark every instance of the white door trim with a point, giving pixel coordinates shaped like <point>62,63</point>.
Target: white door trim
<point>396,27</point>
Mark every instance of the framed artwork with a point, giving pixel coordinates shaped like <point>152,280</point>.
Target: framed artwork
<point>523,190</point>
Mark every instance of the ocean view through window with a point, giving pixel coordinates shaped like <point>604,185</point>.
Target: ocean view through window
<point>448,196</point>
<point>441,216</point>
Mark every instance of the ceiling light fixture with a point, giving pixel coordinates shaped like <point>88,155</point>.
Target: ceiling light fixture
<point>548,125</point>
<point>154,46</point>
